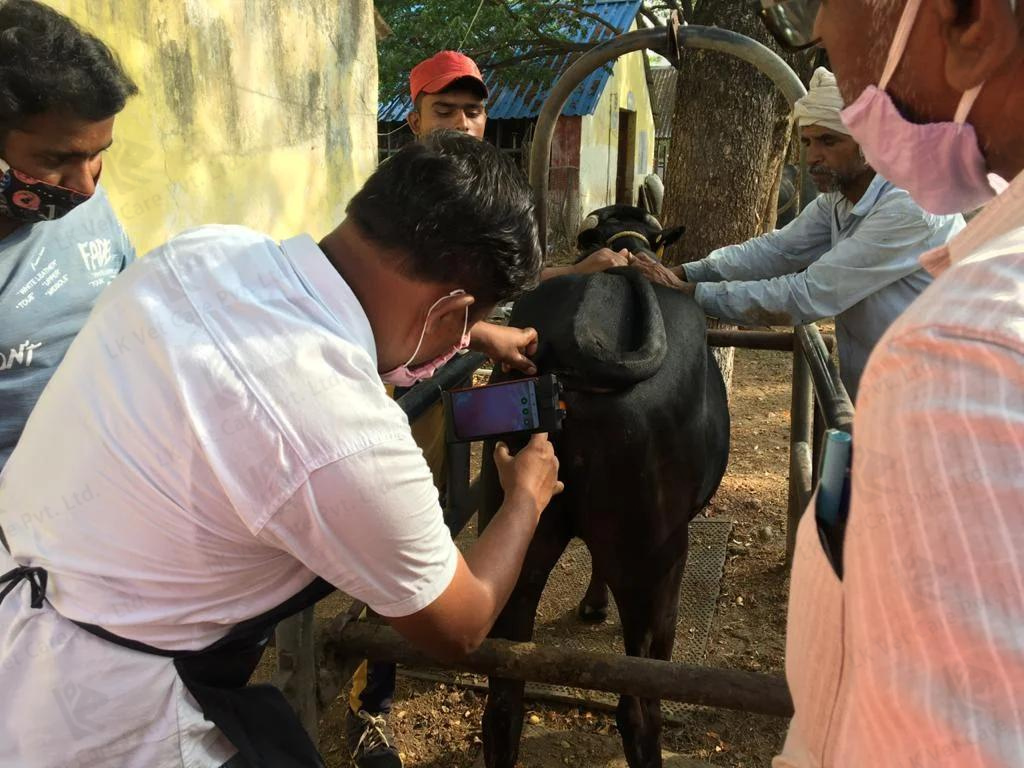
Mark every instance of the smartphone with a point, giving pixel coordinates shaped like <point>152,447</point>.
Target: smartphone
<point>518,407</point>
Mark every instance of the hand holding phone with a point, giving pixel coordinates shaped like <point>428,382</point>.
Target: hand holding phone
<point>532,473</point>
<point>516,407</point>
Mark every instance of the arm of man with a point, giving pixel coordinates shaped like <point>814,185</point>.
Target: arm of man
<point>934,583</point>
<point>459,620</point>
<point>371,525</point>
<point>509,346</point>
<point>884,249</point>
<point>598,261</point>
<point>787,250</point>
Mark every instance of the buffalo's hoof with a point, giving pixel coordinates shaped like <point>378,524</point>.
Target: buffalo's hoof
<point>592,614</point>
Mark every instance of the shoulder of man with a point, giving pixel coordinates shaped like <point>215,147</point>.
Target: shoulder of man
<point>895,200</point>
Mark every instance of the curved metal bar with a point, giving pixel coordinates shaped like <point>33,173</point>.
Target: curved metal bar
<point>658,40</point>
<point>829,391</point>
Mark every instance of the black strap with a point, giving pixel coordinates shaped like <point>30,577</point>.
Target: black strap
<point>34,575</point>
<point>242,636</point>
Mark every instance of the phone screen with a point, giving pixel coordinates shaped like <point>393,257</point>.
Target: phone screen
<point>495,410</point>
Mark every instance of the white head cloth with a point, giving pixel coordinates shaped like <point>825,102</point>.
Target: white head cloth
<point>822,104</point>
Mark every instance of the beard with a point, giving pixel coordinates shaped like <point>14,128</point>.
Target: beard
<point>826,179</point>
<point>829,180</point>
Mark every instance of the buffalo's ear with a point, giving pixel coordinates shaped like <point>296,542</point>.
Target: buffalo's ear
<point>668,237</point>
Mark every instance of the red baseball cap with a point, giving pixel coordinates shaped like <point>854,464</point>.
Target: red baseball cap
<point>441,70</point>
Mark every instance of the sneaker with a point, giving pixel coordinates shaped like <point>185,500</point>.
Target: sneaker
<point>371,740</point>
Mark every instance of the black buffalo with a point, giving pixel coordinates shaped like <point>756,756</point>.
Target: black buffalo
<point>618,227</point>
<point>642,450</point>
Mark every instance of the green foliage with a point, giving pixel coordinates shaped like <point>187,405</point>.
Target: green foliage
<point>514,36</point>
<point>517,37</point>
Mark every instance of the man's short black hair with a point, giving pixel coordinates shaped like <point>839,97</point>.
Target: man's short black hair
<point>456,211</point>
<point>47,63</point>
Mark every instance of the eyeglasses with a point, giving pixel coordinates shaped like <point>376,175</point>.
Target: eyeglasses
<point>791,22</point>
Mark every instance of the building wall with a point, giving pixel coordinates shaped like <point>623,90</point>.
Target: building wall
<point>564,184</point>
<point>254,112</point>
<point>626,89</point>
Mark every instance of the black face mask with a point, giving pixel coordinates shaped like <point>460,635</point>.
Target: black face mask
<point>29,200</point>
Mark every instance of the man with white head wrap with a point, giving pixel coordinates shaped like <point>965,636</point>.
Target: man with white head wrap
<point>822,104</point>
<point>852,253</point>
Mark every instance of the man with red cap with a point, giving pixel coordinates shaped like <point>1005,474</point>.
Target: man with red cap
<point>448,91</point>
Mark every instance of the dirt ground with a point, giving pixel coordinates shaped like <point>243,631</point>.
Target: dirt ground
<point>439,726</point>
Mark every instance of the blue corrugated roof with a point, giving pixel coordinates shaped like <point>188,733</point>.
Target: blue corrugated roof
<point>524,100</point>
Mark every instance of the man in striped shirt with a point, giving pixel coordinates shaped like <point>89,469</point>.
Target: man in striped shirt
<point>915,656</point>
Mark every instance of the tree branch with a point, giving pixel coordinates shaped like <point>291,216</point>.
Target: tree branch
<point>579,11</point>
<point>533,54</point>
<point>648,14</point>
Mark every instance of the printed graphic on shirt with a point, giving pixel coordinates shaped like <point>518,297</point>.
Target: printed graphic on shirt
<point>21,355</point>
<point>96,253</point>
<point>102,259</point>
<point>47,278</point>
<point>99,258</point>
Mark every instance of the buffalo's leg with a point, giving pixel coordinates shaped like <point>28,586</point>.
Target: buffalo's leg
<point>594,605</point>
<point>648,607</point>
<point>503,715</point>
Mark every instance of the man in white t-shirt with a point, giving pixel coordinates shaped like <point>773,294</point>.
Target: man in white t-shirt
<point>219,436</point>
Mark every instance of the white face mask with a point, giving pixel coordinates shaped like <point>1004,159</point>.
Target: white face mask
<point>404,376</point>
<point>940,164</point>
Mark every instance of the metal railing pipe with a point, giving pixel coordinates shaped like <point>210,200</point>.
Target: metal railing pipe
<point>832,397</point>
<point>659,40</point>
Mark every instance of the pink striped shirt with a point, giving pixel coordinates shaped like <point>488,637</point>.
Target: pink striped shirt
<point>916,659</point>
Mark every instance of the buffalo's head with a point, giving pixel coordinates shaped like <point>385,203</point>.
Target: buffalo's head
<point>625,226</point>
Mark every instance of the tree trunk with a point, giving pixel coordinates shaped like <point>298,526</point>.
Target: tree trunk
<point>730,131</point>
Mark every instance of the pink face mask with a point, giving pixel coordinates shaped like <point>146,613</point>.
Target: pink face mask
<point>404,376</point>
<point>939,164</point>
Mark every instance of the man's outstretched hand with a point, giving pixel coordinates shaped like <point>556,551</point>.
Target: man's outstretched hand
<point>660,274</point>
<point>598,261</point>
<point>511,347</point>
<point>601,260</point>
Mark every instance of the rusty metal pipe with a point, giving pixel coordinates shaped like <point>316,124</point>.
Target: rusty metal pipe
<point>778,341</point>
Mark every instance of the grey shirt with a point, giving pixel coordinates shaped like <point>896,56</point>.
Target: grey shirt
<point>51,274</point>
<point>855,262</point>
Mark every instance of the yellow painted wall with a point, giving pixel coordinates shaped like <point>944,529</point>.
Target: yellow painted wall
<point>599,141</point>
<point>254,112</point>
